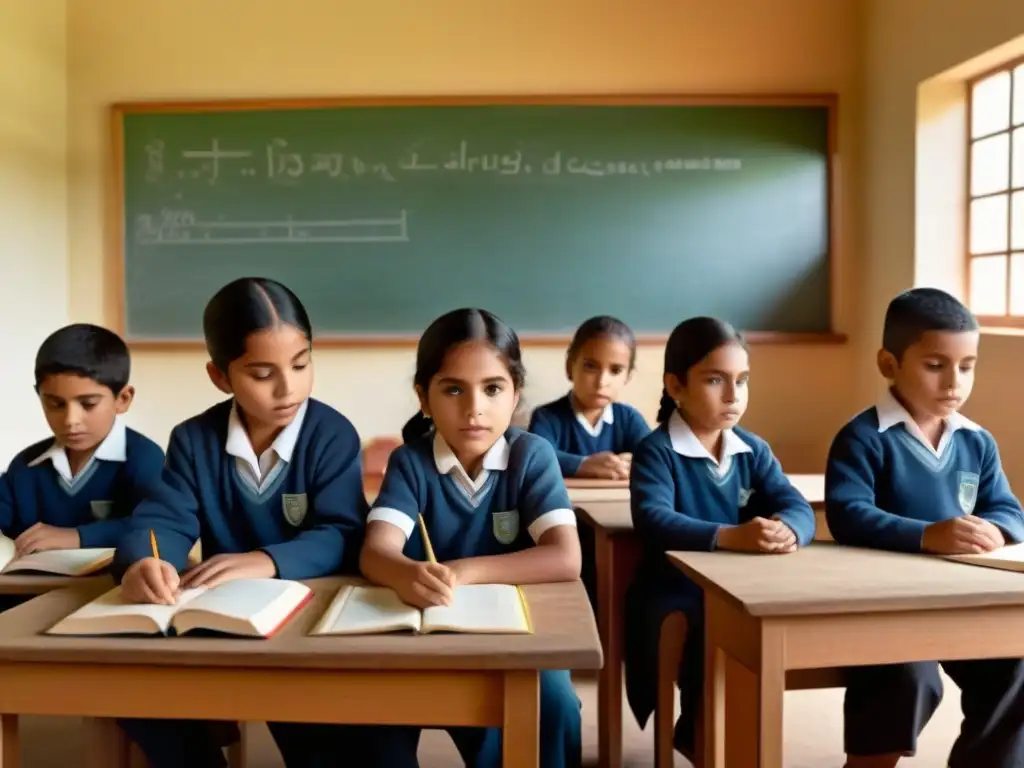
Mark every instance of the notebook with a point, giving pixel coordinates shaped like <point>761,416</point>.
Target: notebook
<point>476,608</point>
<point>245,607</point>
<point>59,562</point>
<point>1009,558</point>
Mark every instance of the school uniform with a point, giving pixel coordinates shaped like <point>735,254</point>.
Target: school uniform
<point>681,496</point>
<point>38,487</point>
<point>301,503</point>
<point>517,497</point>
<point>620,429</point>
<point>884,485</point>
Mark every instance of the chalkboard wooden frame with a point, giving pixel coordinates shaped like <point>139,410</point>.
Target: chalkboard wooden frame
<point>116,298</point>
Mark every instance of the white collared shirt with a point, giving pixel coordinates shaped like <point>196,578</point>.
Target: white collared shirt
<point>891,413</point>
<point>114,447</point>
<point>594,430</point>
<point>685,443</point>
<point>495,460</point>
<point>258,471</point>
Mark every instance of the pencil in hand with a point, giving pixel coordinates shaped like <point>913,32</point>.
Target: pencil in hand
<point>152,544</point>
<point>426,541</point>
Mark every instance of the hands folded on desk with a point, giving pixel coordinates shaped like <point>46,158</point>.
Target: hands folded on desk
<point>758,535</point>
<point>606,466</point>
<point>966,535</point>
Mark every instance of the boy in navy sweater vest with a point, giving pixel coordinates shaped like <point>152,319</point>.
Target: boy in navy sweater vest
<point>913,475</point>
<point>78,488</point>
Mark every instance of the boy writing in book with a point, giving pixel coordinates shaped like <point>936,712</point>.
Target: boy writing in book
<point>494,506</point>
<point>913,475</point>
<point>78,488</point>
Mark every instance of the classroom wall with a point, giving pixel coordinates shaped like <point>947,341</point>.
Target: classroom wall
<point>194,49</point>
<point>33,198</point>
<point>908,43</point>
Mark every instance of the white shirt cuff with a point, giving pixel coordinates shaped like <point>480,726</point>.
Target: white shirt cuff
<point>549,520</point>
<point>394,516</point>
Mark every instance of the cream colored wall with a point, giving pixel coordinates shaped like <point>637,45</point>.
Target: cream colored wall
<point>33,198</point>
<point>909,42</point>
<point>195,49</point>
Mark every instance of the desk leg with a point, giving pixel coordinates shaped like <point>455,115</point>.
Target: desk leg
<point>10,748</point>
<point>714,685</point>
<point>520,736</point>
<point>609,680</point>
<point>106,744</point>
<point>771,694</point>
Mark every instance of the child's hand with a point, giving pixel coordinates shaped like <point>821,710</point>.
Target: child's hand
<point>151,581</point>
<point>221,568</point>
<point>604,466</point>
<point>758,535</point>
<point>41,537</point>
<point>627,460</point>
<point>426,584</point>
<point>966,535</point>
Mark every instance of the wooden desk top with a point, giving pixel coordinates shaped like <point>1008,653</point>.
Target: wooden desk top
<point>831,579</point>
<point>566,638</point>
<point>26,584</point>
<point>611,516</point>
<point>592,483</point>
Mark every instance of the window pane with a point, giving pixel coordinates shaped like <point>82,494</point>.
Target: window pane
<point>1017,222</point>
<point>1018,95</point>
<point>988,285</point>
<point>990,164</point>
<point>990,105</point>
<point>988,224</point>
<point>1017,284</point>
<point>1018,154</point>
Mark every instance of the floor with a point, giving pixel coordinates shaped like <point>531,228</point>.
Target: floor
<point>813,737</point>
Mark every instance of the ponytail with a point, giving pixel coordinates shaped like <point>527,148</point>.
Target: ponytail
<point>416,427</point>
<point>666,408</point>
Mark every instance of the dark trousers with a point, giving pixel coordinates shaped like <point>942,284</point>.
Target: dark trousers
<point>887,707</point>
<point>200,743</point>
<point>561,739</point>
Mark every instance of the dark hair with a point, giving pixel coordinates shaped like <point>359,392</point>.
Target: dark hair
<point>450,330</point>
<point>246,306</point>
<point>919,310</point>
<point>88,351</point>
<point>690,342</point>
<point>595,327</point>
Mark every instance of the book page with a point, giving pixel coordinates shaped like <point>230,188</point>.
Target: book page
<point>64,562</point>
<point>111,614</point>
<point>1010,558</point>
<point>6,551</point>
<point>366,610</point>
<point>480,608</point>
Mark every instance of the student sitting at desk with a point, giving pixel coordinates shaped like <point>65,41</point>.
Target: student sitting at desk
<point>913,475</point>
<point>494,504</point>
<point>78,488</point>
<point>699,482</point>
<point>270,481</point>
<point>593,435</point>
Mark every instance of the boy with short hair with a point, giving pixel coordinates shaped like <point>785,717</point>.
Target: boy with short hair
<point>78,488</point>
<point>913,475</point>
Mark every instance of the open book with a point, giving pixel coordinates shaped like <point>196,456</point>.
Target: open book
<point>477,608</point>
<point>246,607</point>
<point>1010,558</point>
<point>59,562</point>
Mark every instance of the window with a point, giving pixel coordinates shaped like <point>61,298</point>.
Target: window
<point>995,194</point>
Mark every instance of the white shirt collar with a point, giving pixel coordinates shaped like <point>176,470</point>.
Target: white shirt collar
<point>891,413</point>
<point>594,430</point>
<point>496,459</point>
<point>239,445</point>
<point>114,447</point>
<point>685,443</point>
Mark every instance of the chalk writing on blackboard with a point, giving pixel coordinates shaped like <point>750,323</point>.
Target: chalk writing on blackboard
<point>279,163</point>
<point>183,227</point>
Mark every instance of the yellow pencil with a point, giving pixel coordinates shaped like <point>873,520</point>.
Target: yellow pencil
<point>152,543</point>
<point>426,541</point>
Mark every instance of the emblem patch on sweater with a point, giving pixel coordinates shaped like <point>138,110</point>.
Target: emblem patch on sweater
<point>967,493</point>
<point>294,506</point>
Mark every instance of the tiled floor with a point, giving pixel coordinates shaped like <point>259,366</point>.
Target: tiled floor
<point>813,737</point>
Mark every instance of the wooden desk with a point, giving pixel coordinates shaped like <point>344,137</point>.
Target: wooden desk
<point>829,606</point>
<point>23,584</point>
<point>430,680</point>
<point>605,508</point>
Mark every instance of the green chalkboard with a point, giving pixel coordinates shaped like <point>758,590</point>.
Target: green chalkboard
<point>381,217</point>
